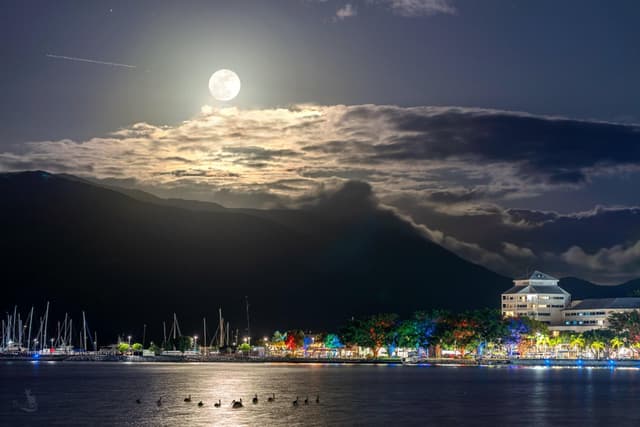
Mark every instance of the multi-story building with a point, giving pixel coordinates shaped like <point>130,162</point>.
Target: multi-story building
<point>538,297</point>
<point>584,315</point>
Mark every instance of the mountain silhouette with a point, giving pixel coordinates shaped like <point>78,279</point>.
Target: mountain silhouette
<point>128,258</point>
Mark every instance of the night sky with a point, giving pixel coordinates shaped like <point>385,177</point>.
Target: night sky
<point>506,131</point>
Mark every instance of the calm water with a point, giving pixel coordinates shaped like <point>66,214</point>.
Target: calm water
<point>104,394</point>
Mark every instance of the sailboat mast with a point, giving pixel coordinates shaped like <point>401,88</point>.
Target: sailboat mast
<point>19,332</point>
<point>14,325</point>
<point>221,328</point>
<point>29,336</point>
<point>46,320</point>
<point>84,331</point>
<point>65,330</point>
<point>204,337</point>
<point>164,334</point>
<point>248,327</point>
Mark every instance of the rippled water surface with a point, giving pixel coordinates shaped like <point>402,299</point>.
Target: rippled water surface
<point>105,394</point>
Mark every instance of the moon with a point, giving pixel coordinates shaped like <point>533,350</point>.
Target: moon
<point>224,85</point>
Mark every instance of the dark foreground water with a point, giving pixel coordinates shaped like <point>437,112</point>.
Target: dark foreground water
<point>105,394</point>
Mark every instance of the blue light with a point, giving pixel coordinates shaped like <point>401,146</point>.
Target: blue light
<point>36,355</point>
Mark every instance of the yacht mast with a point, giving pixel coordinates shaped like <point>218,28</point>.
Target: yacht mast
<point>204,337</point>
<point>164,334</point>
<point>84,330</point>
<point>248,327</point>
<point>30,322</point>
<point>221,328</point>
<point>46,320</point>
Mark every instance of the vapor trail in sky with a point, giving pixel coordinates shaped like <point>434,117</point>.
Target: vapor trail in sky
<point>92,61</point>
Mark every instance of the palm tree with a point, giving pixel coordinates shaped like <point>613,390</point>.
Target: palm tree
<point>577,343</point>
<point>616,343</point>
<point>554,343</point>
<point>597,346</point>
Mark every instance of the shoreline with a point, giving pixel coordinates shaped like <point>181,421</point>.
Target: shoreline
<point>551,363</point>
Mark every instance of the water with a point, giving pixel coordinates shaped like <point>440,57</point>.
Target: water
<point>104,394</point>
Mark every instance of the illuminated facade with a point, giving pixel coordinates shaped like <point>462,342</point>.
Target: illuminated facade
<point>591,314</point>
<point>538,297</point>
<point>541,298</point>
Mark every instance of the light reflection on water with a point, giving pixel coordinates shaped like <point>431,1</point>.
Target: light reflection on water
<point>105,394</point>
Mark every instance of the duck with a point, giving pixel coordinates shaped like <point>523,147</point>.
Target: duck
<point>255,399</point>
<point>237,404</point>
<point>317,398</point>
<point>187,399</point>
<point>295,402</point>
<point>218,403</point>
<point>138,401</point>
<point>200,404</point>
<point>306,401</point>
<point>159,402</point>
<point>271,398</point>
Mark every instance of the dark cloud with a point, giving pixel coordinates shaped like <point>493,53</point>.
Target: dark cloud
<point>600,245</point>
<point>452,172</point>
<point>548,149</point>
<point>261,153</point>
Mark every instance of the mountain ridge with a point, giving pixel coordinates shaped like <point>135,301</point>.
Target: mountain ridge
<point>128,261</point>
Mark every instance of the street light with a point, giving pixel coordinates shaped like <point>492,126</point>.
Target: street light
<point>195,342</point>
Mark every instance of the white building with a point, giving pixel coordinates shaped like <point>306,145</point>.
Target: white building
<point>539,297</point>
<point>588,314</point>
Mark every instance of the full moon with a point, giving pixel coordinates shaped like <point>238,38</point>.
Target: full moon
<point>224,85</point>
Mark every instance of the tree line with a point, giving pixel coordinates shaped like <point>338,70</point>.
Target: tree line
<point>477,332</point>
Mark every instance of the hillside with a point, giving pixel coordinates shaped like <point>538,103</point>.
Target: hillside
<point>134,259</point>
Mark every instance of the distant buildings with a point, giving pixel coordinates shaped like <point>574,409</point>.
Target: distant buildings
<point>541,298</point>
<point>590,314</point>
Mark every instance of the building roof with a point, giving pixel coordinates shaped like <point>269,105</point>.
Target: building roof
<point>604,303</point>
<point>537,289</point>
<point>538,275</point>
